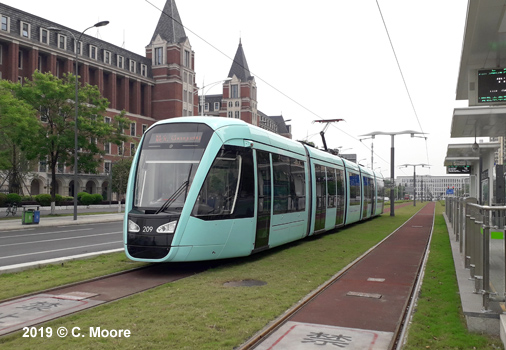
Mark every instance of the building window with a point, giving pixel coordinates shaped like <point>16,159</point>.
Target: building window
<point>237,115</point>
<point>78,47</point>
<point>107,57</point>
<point>62,42</point>
<point>187,59</point>
<point>107,148</point>
<point>107,167</point>
<point>44,36</point>
<point>93,52</point>
<point>133,66</point>
<point>206,107</point>
<point>6,24</point>
<point>120,148</point>
<point>144,70</point>
<point>235,91</point>
<point>25,29</point>
<point>216,106</point>
<point>121,62</point>
<point>230,115</point>
<point>158,59</point>
<point>132,129</point>
<point>144,128</point>
<point>237,104</point>
<point>20,60</point>
<point>42,166</point>
<point>132,149</point>
<point>107,120</point>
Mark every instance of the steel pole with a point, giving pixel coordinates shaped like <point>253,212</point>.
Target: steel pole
<point>392,166</point>
<point>414,185</point>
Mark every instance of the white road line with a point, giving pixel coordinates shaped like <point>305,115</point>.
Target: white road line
<point>61,239</point>
<point>59,250</point>
<point>46,233</point>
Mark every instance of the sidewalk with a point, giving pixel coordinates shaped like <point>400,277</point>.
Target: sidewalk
<point>48,221</point>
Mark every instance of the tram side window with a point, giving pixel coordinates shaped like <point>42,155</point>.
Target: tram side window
<point>340,187</point>
<point>264,182</point>
<point>298,177</point>
<point>331,187</point>
<point>354,180</point>
<point>381,190</point>
<point>228,190</point>
<point>340,196</point>
<point>289,184</point>
<point>321,191</point>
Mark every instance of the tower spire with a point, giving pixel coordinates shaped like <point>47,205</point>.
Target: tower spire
<point>170,27</point>
<point>240,65</point>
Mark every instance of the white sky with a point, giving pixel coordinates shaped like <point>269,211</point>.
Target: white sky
<point>332,57</point>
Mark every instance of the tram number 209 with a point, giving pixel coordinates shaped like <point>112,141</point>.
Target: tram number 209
<point>147,229</point>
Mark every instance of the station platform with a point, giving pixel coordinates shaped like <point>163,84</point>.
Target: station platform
<point>365,307</point>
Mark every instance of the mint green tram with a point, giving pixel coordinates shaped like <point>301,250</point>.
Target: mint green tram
<point>204,188</point>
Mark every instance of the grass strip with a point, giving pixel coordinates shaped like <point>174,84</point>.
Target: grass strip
<point>37,279</point>
<point>438,322</point>
<point>201,313</point>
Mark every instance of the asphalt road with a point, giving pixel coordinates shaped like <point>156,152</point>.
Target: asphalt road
<point>35,243</point>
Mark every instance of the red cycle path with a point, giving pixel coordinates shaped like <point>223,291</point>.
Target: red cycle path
<point>374,293</point>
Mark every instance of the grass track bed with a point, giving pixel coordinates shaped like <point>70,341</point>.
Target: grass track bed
<point>199,312</point>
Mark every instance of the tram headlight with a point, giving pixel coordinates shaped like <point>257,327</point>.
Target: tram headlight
<point>167,228</point>
<point>133,227</point>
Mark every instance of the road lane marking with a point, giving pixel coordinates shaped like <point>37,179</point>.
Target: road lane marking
<point>61,239</point>
<point>58,250</point>
<point>46,233</point>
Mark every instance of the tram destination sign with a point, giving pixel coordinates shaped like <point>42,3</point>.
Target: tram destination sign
<point>492,86</point>
<point>176,137</point>
<point>458,169</point>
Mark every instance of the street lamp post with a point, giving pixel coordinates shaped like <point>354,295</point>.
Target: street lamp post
<point>76,107</point>
<point>392,157</point>
<point>414,179</point>
<point>208,86</point>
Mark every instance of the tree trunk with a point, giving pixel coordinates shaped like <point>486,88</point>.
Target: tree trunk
<point>53,187</point>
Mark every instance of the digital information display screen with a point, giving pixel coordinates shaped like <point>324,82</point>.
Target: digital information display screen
<point>458,169</point>
<point>492,86</point>
<point>176,137</point>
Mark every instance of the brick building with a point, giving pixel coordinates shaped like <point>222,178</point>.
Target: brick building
<point>149,88</point>
<point>239,99</point>
<point>156,86</point>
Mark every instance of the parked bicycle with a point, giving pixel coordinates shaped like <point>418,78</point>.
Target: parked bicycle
<point>11,209</point>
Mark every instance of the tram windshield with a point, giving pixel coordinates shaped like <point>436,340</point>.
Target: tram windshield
<point>169,158</point>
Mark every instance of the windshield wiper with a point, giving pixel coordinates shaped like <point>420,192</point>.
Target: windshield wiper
<point>175,195</point>
<point>173,198</point>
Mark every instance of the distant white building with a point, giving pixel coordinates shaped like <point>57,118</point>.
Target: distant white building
<point>436,187</point>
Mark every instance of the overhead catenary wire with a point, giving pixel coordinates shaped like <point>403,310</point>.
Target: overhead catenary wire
<point>403,79</point>
<point>281,92</point>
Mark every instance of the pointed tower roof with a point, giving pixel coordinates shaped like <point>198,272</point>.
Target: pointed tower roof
<point>170,27</point>
<point>240,65</point>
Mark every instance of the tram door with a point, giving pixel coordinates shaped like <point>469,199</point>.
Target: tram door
<point>264,200</point>
<point>321,197</point>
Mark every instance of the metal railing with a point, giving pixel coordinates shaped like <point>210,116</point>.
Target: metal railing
<point>480,232</point>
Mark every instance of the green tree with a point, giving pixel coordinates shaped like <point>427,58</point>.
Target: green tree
<point>18,125</point>
<point>54,99</point>
<point>120,172</point>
